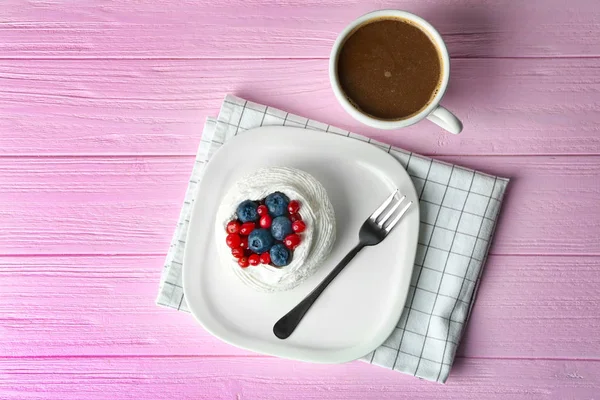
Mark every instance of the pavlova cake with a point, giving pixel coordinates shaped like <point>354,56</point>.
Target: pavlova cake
<point>274,228</point>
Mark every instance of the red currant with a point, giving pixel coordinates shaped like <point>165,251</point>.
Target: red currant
<point>244,242</point>
<point>265,221</point>
<point>246,228</point>
<point>293,207</point>
<point>233,226</point>
<point>237,252</point>
<point>292,241</point>
<point>262,210</point>
<point>243,262</point>
<point>254,259</point>
<point>295,217</point>
<point>233,240</point>
<point>265,258</point>
<point>298,226</point>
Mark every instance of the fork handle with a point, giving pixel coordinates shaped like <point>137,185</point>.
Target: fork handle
<point>288,323</point>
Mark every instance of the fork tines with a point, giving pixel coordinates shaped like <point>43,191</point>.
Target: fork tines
<point>391,205</point>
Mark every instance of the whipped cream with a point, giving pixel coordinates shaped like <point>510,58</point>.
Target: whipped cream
<point>315,209</point>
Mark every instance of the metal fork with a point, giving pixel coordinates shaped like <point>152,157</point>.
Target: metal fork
<point>373,231</point>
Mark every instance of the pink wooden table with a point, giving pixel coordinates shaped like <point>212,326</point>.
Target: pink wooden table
<point>101,105</point>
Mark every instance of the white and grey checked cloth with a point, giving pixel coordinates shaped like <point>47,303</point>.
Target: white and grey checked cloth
<point>459,208</point>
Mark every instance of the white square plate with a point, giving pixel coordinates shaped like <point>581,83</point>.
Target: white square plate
<point>362,306</point>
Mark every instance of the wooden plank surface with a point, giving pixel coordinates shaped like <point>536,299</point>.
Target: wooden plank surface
<point>77,107</point>
<point>227,378</point>
<point>130,205</point>
<point>101,107</point>
<point>104,306</point>
<point>280,29</point>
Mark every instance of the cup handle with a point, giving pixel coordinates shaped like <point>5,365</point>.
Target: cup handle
<point>444,118</point>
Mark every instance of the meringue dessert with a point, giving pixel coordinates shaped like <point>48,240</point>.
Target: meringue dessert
<point>274,228</point>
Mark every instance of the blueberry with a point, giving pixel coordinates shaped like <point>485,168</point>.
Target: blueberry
<point>277,203</point>
<point>280,255</point>
<point>260,240</point>
<point>281,227</point>
<point>246,211</point>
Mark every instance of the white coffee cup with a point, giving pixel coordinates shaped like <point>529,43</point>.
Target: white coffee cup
<point>433,112</point>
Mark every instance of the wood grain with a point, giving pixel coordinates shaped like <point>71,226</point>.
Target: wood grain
<point>280,29</point>
<point>266,378</point>
<point>101,106</point>
<point>78,107</point>
<point>104,305</point>
<point>130,205</point>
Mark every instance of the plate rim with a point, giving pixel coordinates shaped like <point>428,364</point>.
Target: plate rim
<point>334,356</point>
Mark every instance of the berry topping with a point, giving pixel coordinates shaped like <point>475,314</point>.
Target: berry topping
<point>265,258</point>
<point>280,255</point>
<point>265,231</point>
<point>254,259</point>
<point>237,252</point>
<point>233,240</point>
<point>243,262</point>
<point>292,241</point>
<point>246,228</point>
<point>247,211</point>
<point>260,240</point>
<point>298,226</point>
<point>265,221</point>
<point>281,227</point>
<point>295,217</point>
<point>277,203</point>
<point>233,227</point>
<point>262,210</point>
<point>293,207</point>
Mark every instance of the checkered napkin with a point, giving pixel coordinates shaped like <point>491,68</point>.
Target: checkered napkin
<point>459,208</point>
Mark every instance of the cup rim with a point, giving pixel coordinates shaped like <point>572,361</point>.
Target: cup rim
<point>367,119</point>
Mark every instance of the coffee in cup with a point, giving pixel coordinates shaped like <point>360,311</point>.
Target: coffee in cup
<point>390,69</point>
